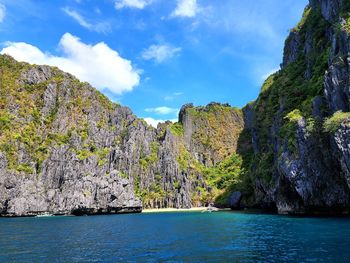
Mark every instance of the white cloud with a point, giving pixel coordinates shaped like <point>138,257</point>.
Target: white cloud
<point>101,27</point>
<point>98,64</point>
<point>139,4</point>
<point>155,122</point>
<point>163,110</point>
<point>160,53</point>
<point>185,8</point>
<point>172,96</point>
<point>2,12</point>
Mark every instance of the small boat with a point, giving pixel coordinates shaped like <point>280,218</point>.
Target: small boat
<point>210,209</point>
<point>44,215</point>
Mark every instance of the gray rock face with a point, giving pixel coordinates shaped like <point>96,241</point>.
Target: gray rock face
<point>313,177</point>
<point>37,75</point>
<point>72,179</point>
<point>235,200</point>
<point>337,91</point>
<point>89,156</point>
<point>330,8</point>
<point>310,181</point>
<point>27,196</point>
<point>94,157</point>
<point>342,141</point>
<point>291,49</point>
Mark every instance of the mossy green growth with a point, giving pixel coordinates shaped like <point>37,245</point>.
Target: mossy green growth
<point>288,130</point>
<point>5,121</point>
<point>146,161</point>
<point>184,158</point>
<point>332,124</point>
<point>176,185</point>
<point>83,154</point>
<point>216,127</point>
<point>26,168</point>
<point>59,138</point>
<point>123,175</point>
<point>225,174</point>
<point>105,101</point>
<point>345,14</point>
<point>176,129</point>
<point>102,155</point>
<point>294,116</point>
<point>35,129</point>
<point>303,20</point>
<point>346,25</point>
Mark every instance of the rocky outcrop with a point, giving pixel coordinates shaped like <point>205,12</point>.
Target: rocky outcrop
<point>235,200</point>
<point>330,8</point>
<point>312,181</point>
<point>211,133</point>
<point>342,141</point>
<point>308,171</point>
<point>291,49</point>
<point>66,149</point>
<point>337,91</point>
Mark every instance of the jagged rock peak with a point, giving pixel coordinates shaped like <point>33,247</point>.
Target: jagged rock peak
<point>183,111</point>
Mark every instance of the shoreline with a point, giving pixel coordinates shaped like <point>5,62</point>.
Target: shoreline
<point>167,210</point>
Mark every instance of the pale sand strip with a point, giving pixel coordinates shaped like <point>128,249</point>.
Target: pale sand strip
<point>164,210</point>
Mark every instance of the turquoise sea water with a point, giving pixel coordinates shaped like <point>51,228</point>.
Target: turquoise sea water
<point>175,237</point>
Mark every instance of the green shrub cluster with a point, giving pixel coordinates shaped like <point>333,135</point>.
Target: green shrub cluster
<point>147,161</point>
<point>176,129</point>
<point>332,124</point>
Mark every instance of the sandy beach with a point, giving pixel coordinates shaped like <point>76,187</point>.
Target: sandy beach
<point>165,210</point>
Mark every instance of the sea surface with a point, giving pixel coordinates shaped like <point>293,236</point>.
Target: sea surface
<point>175,237</point>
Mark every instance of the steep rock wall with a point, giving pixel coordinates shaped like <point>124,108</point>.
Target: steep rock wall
<point>290,127</point>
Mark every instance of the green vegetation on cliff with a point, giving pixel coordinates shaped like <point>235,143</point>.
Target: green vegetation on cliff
<point>332,123</point>
<point>28,127</point>
<point>287,95</point>
<point>215,129</point>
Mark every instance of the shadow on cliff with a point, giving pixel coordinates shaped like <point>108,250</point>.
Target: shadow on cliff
<point>241,194</point>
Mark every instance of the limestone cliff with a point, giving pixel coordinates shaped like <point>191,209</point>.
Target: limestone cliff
<point>66,149</point>
<point>300,164</point>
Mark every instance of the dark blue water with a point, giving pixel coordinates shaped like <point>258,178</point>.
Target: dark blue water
<point>175,237</point>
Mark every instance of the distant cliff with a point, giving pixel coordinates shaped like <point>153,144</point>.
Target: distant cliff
<point>66,149</point>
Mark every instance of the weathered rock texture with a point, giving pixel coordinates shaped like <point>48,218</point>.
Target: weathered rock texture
<point>66,149</point>
<point>299,166</point>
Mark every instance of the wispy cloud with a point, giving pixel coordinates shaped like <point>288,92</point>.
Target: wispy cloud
<point>185,8</point>
<point>173,96</point>
<point>162,110</point>
<point>100,27</point>
<point>154,122</point>
<point>98,64</point>
<point>138,4</point>
<point>160,53</point>
<point>232,19</point>
<point>2,12</point>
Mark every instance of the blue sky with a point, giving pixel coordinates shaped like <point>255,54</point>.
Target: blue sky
<point>155,55</point>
